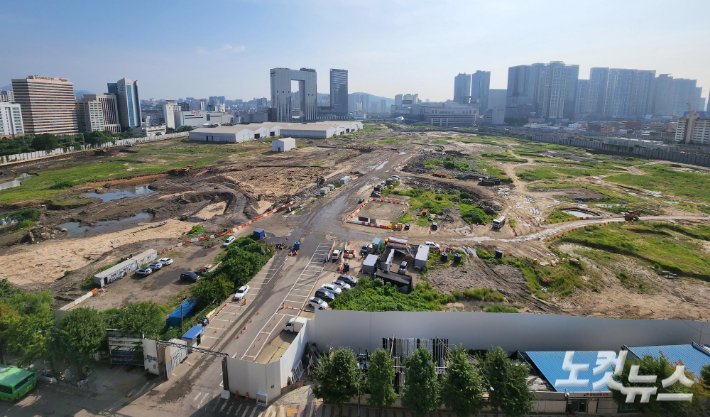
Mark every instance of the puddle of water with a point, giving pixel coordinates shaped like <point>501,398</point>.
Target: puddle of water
<point>122,193</point>
<point>107,226</point>
<point>16,182</point>
<point>578,213</point>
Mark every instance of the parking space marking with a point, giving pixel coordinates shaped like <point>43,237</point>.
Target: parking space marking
<point>197,396</point>
<point>236,412</point>
<point>304,272</point>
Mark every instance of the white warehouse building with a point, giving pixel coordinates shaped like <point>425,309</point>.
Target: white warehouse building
<point>283,145</point>
<point>240,133</point>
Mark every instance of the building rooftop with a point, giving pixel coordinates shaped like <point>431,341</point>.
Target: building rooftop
<point>550,366</point>
<point>693,356</point>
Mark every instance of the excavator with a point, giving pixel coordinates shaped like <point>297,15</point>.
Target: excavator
<point>180,171</point>
<point>633,215</point>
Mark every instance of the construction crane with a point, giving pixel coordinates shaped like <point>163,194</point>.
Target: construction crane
<point>632,215</point>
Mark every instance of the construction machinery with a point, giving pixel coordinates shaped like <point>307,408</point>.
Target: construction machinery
<point>180,171</point>
<point>632,215</point>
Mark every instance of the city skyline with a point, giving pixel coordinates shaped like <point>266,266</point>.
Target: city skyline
<point>422,62</point>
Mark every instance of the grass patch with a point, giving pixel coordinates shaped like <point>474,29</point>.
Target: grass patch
<point>660,177</point>
<point>666,246</point>
<point>196,231</point>
<point>481,294</point>
<point>497,308</point>
<point>536,174</point>
<point>504,157</point>
<point>558,215</point>
<point>19,220</point>
<point>375,295</point>
<point>561,280</point>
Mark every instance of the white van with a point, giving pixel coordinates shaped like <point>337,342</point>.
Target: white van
<point>228,241</point>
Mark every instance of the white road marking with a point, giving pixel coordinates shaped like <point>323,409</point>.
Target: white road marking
<point>197,396</point>
<point>254,411</point>
<point>224,405</point>
<point>245,411</point>
<point>229,409</point>
<point>236,412</point>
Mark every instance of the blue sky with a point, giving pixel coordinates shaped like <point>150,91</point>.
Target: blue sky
<point>195,48</point>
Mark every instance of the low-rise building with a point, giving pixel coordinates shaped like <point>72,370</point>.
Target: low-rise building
<point>693,128</point>
<point>283,145</point>
<point>146,130</point>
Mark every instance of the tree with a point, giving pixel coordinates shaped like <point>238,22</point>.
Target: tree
<point>85,330</point>
<point>421,389</point>
<point>28,329</point>
<point>338,377</point>
<point>462,390</point>
<point>380,379</point>
<point>705,375</point>
<point>45,142</point>
<point>145,317</point>
<point>662,368</point>
<point>6,316</point>
<point>208,290</point>
<point>508,391</point>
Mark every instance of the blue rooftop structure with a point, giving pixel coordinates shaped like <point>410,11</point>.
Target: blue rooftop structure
<point>186,309</point>
<point>193,333</point>
<point>693,356</point>
<point>550,365</point>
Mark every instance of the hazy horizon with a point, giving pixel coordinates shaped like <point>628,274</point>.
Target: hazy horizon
<point>181,49</point>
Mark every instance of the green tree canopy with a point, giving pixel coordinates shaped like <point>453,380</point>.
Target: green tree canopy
<point>45,142</point>
<point>28,328</point>
<point>662,368</point>
<point>461,390</point>
<point>421,389</point>
<point>144,317</point>
<point>338,377</point>
<point>210,289</point>
<point>380,379</point>
<point>508,391</point>
<point>85,330</point>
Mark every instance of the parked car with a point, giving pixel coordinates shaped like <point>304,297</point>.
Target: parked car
<point>360,200</point>
<point>189,276</point>
<point>155,266</point>
<point>432,245</point>
<point>241,293</point>
<point>317,303</point>
<point>332,288</point>
<point>165,261</point>
<point>352,281</point>
<point>402,268</point>
<point>228,241</point>
<point>396,177</point>
<point>342,285</point>
<point>325,295</point>
<point>406,226</point>
<point>144,272</point>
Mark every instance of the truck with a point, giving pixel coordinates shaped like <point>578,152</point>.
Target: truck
<point>335,256</point>
<point>499,222</point>
<point>295,324</point>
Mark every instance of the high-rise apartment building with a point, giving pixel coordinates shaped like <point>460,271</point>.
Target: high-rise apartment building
<point>581,102</point>
<point>7,96</point>
<point>47,104</point>
<point>339,91</point>
<point>524,84</point>
<point>281,94</point>
<point>627,93</point>
<point>462,88</point>
<point>11,119</point>
<point>128,101</point>
<point>480,88</point>
<point>98,112</point>
<point>542,90</point>
<point>598,78</point>
<point>383,106</point>
<point>398,100</point>
<point>167,113</point>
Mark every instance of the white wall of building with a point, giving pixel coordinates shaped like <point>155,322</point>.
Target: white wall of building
<point>283,145</point>
<point>11,119</point>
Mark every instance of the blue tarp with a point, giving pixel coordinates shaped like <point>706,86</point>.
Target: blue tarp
<point>174,320</point>
<point>693,356</point>
<point>550,365</point>
<point>193,333</point>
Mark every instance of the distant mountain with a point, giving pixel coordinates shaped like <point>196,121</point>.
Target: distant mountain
<point>80,93</point>
<point>7,87</point>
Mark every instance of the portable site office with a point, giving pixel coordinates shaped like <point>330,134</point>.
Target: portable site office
<point>124,268</point>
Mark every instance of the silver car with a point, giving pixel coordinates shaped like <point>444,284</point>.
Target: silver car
<point>342,285</point>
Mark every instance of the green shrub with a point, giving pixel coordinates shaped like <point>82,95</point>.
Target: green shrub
<point>497,308</point>
<point>196,230</point>
<point>475,215</point>
<point>62,185</point>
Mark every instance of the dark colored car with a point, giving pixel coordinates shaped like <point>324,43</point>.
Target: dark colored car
<point>348,279</point>
<point>324,295</point>
<point>189,276</point>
